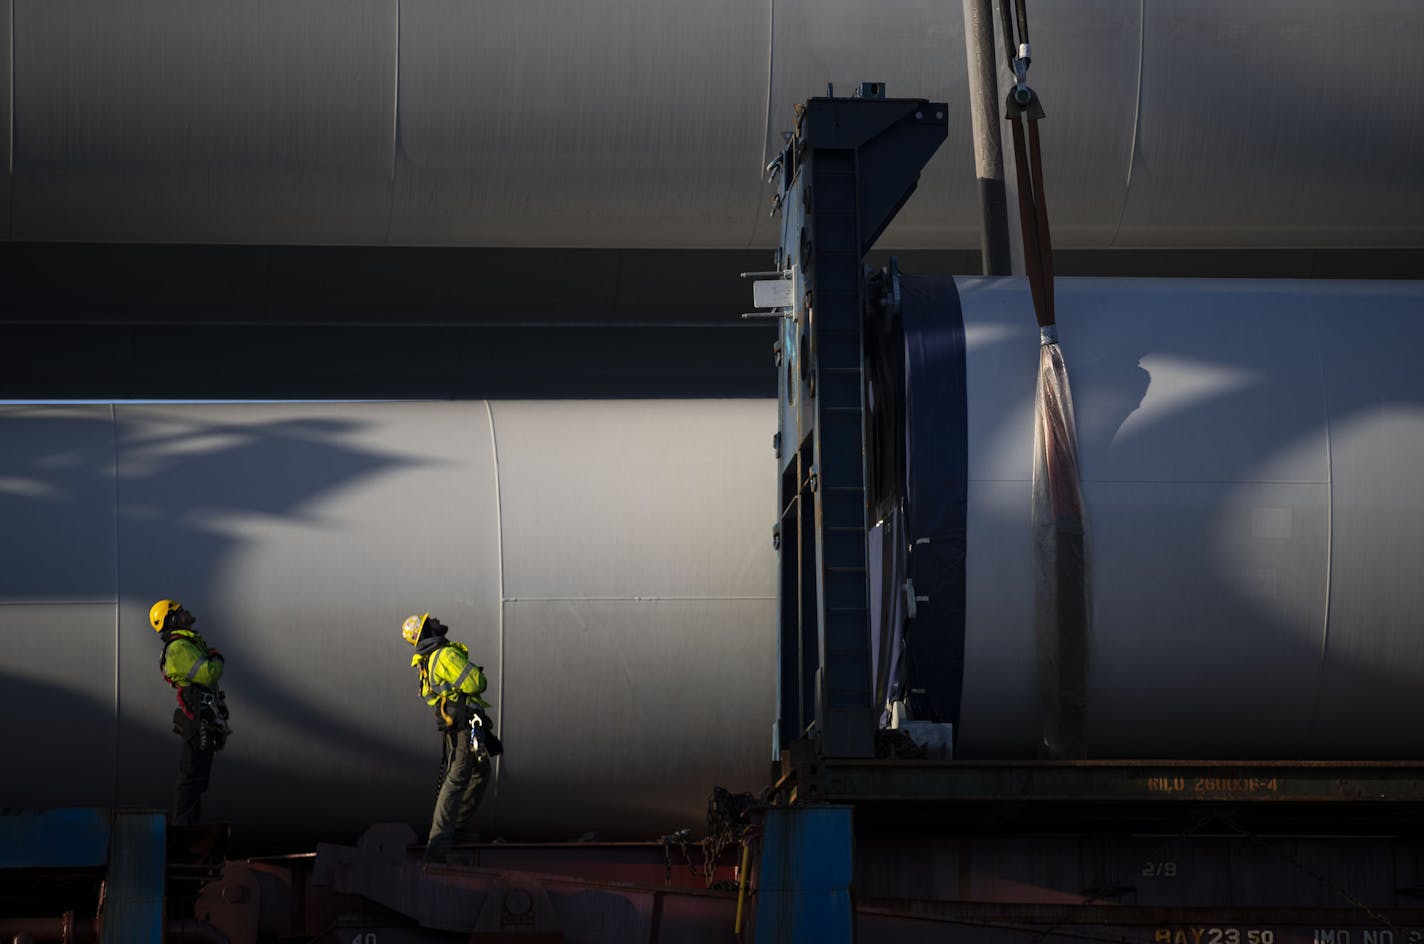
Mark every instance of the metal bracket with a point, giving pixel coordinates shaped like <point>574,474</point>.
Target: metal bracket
<point>1023,101</point>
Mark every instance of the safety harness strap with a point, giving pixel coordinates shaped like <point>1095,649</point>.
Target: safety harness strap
<point>436,686</point>
<point>163,662</point>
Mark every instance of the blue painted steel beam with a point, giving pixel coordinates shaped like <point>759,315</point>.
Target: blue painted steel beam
<point>54,839</point>
<point>803,878</point>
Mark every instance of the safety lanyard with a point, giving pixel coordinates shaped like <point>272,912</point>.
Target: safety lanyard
<point>1023,105</point>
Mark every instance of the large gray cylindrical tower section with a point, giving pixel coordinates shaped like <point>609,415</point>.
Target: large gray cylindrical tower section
<point>1249,456</point>
<point>609,563</point>
<point>646,123</point>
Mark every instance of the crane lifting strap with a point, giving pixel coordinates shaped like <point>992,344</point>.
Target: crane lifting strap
<point>1022,106</point>
<point>1062,600</point>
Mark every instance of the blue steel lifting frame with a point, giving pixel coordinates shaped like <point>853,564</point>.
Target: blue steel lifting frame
<point>845,172</point>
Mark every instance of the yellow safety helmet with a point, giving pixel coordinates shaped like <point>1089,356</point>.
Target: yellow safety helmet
<point>158,613</point>
<point>411,628</point>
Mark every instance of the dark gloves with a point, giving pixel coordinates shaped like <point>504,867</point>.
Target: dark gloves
<point>492,744</point>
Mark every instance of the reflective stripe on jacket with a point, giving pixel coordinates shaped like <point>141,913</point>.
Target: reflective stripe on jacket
<point>186,661</point>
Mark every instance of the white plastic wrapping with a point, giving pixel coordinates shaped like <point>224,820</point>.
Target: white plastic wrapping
<point>889,595</point>
<point>1062,604</point>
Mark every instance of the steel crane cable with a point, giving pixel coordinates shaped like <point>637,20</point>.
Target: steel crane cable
<point>1023,105</point>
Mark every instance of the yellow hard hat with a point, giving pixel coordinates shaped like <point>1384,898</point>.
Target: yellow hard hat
<point>158,613</point>
<point>410,629</point>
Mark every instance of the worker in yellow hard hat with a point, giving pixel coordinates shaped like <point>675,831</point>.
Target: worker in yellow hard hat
<point>193,668</point>
<point>451,684</point>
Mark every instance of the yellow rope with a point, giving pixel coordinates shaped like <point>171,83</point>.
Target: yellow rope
<point>742,885</point>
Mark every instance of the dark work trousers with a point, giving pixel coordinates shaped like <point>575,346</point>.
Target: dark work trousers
<point>467,774</point>
<point>194,767</point>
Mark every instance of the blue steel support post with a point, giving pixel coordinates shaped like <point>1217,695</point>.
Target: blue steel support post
<point>846,171</point>
<point>133,844</point>
<point>803,886</point>
<point>133,902</point>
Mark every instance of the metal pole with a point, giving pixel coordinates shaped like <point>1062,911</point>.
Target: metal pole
<point>988,143</point>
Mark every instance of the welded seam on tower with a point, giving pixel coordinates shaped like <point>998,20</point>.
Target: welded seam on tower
<point>1329,504</point>
<point>1136,119</point>
<point>499,581</point>
<point>1329,527</point>
<point>395,102</point>
<point>766,116</point>
<point>114,426</point>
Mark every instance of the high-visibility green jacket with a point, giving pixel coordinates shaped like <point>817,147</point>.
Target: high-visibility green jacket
<point>188,660</point>
<point>448,672</point>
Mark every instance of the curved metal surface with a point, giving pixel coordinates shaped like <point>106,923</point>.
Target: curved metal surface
<point>568,124</point>
<point>162,121</point>
<point>7,111</point>
<point>1247,453</point>
<point>646,124</point>
<point>608,562</point>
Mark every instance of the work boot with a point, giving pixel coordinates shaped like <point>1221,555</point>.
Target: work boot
<point>435,856</point>
<point>448,857</point>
